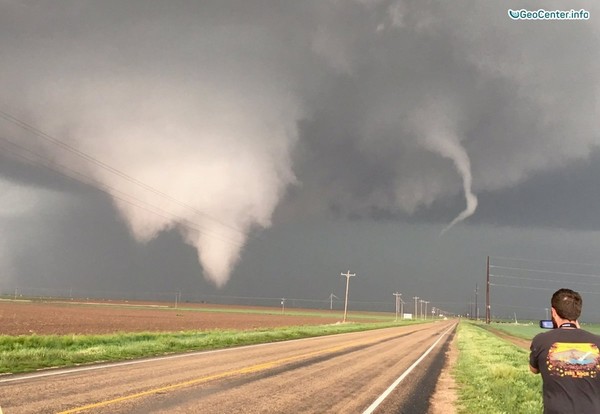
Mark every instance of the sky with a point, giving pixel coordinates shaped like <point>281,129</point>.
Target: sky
<point>250,150</point>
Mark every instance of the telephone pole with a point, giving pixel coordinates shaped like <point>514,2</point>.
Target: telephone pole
<point>331,301</point>
<point>426,302</point>
<point>487,294</point>
<point>476,305</point>
<point>397,303</point>
<point>348,276</point>
<point>401,309</point>
<point>416,313</point>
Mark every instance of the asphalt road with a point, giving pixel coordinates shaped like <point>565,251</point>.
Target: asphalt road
<point>335,374</point>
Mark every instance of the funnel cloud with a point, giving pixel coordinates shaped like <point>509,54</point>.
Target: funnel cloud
<point>452,149</point>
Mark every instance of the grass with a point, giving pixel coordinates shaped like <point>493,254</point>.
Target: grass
<point>290,311</point>
<point>32,352</point>
<point>493,375</point>
<point>529,330</point>
<point>524,331</point>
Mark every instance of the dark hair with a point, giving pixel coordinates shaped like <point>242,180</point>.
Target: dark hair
<point>567,304</point>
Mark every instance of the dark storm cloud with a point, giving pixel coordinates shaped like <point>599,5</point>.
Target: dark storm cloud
<point>564,198</point>
<point>513,107</point>
<point>198,90</point>
<point>396,109</point>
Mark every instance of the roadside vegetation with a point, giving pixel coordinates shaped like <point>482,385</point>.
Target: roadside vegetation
<point>493,375</point>
<point>32,352</point>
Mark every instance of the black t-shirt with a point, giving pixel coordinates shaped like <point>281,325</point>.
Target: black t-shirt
<point>569,361</point>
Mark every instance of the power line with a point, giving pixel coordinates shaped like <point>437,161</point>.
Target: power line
<point>89,158</point>
<point>94,182</point>
<point>502,305</point>
<point>543,280</point>
<point>536,288</point>
<point>111,191</point>
<point>534,272</point>
<point>522,287</point>
<point>546,271</point>
<point>544,261</point>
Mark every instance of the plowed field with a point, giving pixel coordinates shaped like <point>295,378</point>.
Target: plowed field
<point>44,318</point>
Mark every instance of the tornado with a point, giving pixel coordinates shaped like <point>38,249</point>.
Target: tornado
<point>452,149</point>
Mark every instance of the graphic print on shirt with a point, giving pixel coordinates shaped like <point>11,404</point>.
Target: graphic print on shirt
<point>575,360</point>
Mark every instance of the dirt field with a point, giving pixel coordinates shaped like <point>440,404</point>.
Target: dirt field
<point>62,318</point>
<point>520,342</point>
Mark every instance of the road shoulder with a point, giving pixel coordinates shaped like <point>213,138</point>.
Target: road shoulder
<point>445,396</point>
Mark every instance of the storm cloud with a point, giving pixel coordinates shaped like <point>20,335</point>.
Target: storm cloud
<point>204,117</point>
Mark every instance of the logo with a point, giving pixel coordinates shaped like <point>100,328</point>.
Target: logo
<point>514,14</point>
<point>541,14</point>
<point>574,360</point>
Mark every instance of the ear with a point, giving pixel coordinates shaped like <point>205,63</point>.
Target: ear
<point>554,314</point>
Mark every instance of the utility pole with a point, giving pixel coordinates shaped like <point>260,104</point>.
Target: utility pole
<point>421,306</point>
<point>476,306</point>
<point>487,294</point>
<point>426,302</point>
<point>348,276</point>
<point>283,305</point>
<point>331,301</point>
<point>401,309</point>
<point>397,303</point>
<point>416,313</point>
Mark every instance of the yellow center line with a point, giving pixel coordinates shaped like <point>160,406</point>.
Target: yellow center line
<point>246,370</point>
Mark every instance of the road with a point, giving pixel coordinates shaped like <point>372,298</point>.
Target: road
<point>345,373</point>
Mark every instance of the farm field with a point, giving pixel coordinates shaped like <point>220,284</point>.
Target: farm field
<point>42,334</point>
<point>78,317</point>
<point>528,331</point>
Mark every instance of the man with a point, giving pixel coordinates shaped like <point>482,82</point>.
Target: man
<point>568,359</point>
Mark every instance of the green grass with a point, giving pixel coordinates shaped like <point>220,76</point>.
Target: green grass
<point>32,352</point>
<point>493,375</point>
<point>528,331</point>
<point>524,331</point>
<point>292,312</point>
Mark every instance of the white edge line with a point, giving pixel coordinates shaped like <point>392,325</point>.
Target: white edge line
<point>391,388</point>
<point>66,371</point>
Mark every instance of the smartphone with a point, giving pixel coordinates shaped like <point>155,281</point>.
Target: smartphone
<point>546,324</point>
